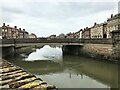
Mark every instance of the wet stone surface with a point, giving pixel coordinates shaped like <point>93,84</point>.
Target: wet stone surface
<point>14,77</point>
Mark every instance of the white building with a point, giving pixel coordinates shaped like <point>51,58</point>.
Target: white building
<point>32,35</point>
<point>62,35</point>
<point>80,35</point>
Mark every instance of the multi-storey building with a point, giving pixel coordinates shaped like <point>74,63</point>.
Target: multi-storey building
<point>86,33</point>
<point>25,34</point>
<point>97,30</point>
<point>7,31</point>
<point>12,32</point>
<point>77,34</point>
<point>20,33</point>
<point>32,35</point>
<point>81,31</point>
<point>105,30</point>
<point>113,23</point>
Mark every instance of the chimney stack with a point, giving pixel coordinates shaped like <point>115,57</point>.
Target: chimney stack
<point>95,24</point>
<point>20,29</point>
<point>111,15</point>
<point>23,29</point>
<point>3,24</point>
<point>15,27</point>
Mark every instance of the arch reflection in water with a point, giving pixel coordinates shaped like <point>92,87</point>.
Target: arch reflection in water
<point>46,53</point>
<point>72,72</point>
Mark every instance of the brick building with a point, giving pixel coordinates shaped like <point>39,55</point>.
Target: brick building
<point>77,34</point>
<point>103,30</point>
<point>9,32</point>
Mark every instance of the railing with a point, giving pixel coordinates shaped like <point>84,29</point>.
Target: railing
<point>98,41</point>
<point>47,40</point>
<point>7,41</point>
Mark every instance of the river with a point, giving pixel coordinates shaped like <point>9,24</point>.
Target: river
<point>68,71</point>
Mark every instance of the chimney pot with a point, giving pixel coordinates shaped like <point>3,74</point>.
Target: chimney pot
<point>111,15</point>
<point>15,27</point>
<point>3,24</point>
<point>95,24</point>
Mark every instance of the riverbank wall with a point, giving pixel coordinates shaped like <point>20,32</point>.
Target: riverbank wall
<point>100,51</point>
<point>106,52</point>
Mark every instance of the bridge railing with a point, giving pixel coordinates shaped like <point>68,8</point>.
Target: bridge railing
<point>48,40</point>
<point>7,41</point>
<point>98,41</point>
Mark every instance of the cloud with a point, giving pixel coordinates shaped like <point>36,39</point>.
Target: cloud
<point>45,18</point>
<point>64,10</point>
<point>119,7</point>
<point>11,10</point>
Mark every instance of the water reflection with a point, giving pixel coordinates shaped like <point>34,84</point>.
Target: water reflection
<point>69,71</point>
<point>46,53</point>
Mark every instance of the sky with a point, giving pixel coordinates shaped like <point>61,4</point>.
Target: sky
<point>47,17</point>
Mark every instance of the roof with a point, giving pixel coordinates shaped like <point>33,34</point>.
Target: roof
<point>7,27</point>
<point>117,16</point>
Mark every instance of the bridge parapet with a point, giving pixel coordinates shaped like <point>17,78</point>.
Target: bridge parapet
<point>7,41</point>
<point>47,40</point>
<point>98,41</point>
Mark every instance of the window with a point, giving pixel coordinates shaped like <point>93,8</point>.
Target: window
<point>2,30</point>
<point>5,30</point>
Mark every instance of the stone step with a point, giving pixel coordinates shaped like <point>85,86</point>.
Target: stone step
<point>14,77</point>
<point>22,82</point>
<point>11,73</point>
<point>32,84</point>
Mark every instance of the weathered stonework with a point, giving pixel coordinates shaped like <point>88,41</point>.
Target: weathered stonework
<point>14,77</point>
<point>98,51</point>
<point>116,44</point>
<point>116,52</point>
<point>101,51</point>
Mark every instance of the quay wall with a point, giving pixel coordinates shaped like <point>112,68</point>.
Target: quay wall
<point>106,52</point>
<point>100,51</point>
<point>116,51</point>
<point>7,51</point>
